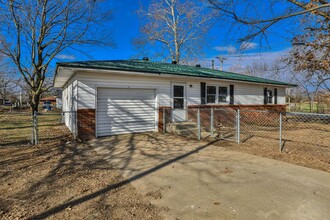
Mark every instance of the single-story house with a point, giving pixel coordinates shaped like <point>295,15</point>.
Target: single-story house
<point>49,99</point>
<point>102,98</point>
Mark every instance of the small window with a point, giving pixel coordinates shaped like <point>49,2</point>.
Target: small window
<point>223,93</point>
<point>211,93</point>
<point>269,97</point>
<point>179,91</point>
<point>178,97</point>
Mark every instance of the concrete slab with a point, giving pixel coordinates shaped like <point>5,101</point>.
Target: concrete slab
<point>198,180</point>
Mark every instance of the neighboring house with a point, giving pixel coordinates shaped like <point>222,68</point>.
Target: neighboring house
<point>116,97</point>
<point>48,101</point>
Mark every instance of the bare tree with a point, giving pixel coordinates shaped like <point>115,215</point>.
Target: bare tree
<point>311,43</point>
<point>174,28</point>
<point>33,33</point>
<point>7,85</point>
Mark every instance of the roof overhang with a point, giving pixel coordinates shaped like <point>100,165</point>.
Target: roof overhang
<point>64,74</point>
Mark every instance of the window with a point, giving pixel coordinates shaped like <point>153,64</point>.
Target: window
<point>269,96</point>
<point>211,93</point>
<point>223,93</point>
<point>178,97</point>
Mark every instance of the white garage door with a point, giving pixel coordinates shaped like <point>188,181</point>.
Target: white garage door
<point>121,111</point>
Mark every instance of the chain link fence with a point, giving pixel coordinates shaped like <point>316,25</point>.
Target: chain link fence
<point>278,129</point>
<point>21,128</point>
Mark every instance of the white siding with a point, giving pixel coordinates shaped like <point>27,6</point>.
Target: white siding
<point>69,105</point>
<point>248,94</point>
<point>88,84</point>
<point>245,93</point>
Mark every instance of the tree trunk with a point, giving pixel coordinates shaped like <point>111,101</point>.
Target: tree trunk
<point>34,102</point>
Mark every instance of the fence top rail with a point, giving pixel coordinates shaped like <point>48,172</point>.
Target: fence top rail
<point>308,114</point>
<point>262,111</point>
<point>225,109</point>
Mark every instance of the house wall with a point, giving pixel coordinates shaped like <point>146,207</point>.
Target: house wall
<point>70,104</point>
<point>80,92</point>
<point>245,94</point>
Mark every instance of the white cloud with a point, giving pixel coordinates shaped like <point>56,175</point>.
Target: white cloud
<point>241,61</point>
<point>248,46</point>
<point>229,49</point>
<point>65,57</point>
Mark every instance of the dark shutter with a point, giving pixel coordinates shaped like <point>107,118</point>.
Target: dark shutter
<point>275,96</point>
<point>265,96</point>
<point>231,94</point>
<point>203,95</point>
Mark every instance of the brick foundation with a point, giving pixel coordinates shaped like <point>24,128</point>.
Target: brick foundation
<point>276,108</point>
<point>161,117</point>
<point>86,124</point>
<point>228,117</point>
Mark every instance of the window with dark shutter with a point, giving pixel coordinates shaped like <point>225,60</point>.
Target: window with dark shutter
<point>269,96</point>
<point>203,89</point>
<point>231,94</point>
<point>211,94</point>
<point>265,96</point>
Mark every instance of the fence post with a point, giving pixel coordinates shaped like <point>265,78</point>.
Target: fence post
<point>212,121</point>
<point>63,115</point>
<point>199,124</point>
<point>32,136</point>
<point>164,122</point>
<point>280,135</point>
<point>36,127</point>
<point>238,126</point>
<point>76,126</point>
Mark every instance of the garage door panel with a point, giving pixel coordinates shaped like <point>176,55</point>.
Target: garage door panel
<point>126,94</point>
<point>125,111</point>
<point>123,120</point>
<point>122,126</point>
<point>124,131</point>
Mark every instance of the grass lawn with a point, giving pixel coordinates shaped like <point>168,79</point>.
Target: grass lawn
<point>305,107</point>
<point>16,128</point>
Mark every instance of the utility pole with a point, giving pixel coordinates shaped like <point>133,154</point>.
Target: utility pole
<point>221,59</point>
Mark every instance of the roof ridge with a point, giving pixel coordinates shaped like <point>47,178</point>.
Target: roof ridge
<point>136,65</point>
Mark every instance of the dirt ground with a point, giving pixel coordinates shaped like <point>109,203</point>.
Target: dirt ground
<point>302,145</point>
<point>57,180</point>
<point>306,155</point>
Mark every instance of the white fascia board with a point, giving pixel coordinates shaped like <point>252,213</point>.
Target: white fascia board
<point>194,78</point>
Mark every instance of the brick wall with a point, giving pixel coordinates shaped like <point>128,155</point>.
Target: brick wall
<point>226,117</point>
<point>86,124</point>
<point>163,109</point>
<point>276,108</point>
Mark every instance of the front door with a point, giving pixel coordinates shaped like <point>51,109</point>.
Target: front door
<point>179,103</point>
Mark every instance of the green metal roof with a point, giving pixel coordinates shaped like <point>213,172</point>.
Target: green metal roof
<point>167,68</point>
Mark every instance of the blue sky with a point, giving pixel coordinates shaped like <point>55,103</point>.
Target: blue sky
<point>125,26</point>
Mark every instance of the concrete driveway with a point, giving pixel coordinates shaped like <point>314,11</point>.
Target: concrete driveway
<point>198,180</point>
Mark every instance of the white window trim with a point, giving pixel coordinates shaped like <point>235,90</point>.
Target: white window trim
<point>185,101</point>
<point>273,97</point>
<point>217,94</point>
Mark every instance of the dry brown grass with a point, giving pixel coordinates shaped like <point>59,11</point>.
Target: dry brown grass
<point>56,179</point>
<point>16,128</point>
